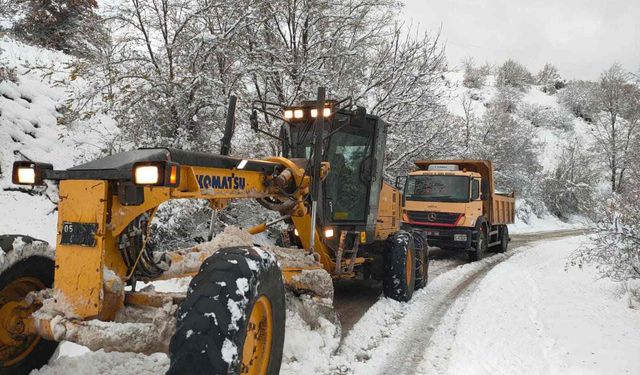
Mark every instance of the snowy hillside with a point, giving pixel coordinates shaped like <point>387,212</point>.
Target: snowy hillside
<point>553,138</point>
<point>33,102</point>
<point>472,104</point>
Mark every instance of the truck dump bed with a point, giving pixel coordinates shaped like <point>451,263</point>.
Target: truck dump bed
<point>500,208</point>
<point>503,209</point>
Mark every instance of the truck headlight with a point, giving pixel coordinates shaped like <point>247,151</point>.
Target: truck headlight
<point>29,173</point>
<point>459,237</point>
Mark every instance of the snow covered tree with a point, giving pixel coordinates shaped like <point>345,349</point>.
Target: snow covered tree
<point>513,74</point>
<point>580,97</point>
<point>510,144</point>
<point>570,188</point>
<point>507,99</point>
<point>616,127</point>
<point>548,78</point>
<point>173,63</point>
<point>615,248</point>
<point>474,76</point>
<point>171,68</point>
<point>68,25</point>
<point>543,116</point>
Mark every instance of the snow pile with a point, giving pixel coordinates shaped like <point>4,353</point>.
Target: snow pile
<point>312,335</point>
<point>546,223</point>
<point>107,364</point>
<point>530,315</point>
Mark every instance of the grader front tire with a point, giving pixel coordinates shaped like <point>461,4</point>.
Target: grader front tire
<point>422,259</point>
<point>399,277</point>
<point>232,320</point>
<point>21,273</point>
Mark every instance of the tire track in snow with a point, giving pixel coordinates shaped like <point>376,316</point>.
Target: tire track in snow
<point>405,359</point>
<point>407,329</point>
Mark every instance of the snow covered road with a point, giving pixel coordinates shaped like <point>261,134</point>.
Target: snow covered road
<point>520,313</point>
<point>514,313</point>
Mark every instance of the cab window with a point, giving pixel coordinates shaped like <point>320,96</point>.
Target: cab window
<point>475,189</point>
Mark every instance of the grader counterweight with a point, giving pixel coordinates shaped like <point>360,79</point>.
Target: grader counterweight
<point>232,318</point>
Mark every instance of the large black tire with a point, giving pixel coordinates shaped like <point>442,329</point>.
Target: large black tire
<point>398,281</point>
<point>32,260</point>
<point>480,249</point>
<point>503,235</point>
<point>213,321</point>
<point>422,259</point>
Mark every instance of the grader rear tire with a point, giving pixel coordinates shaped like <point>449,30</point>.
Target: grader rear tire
<point>21,274</point>
<point>232,320</point>
<point>399,277</point>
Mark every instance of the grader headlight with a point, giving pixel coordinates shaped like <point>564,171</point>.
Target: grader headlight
<point>329,233</point>
<point>29,173</point>
<point>288,114</point>
<point>156,174</point>
<point>326,112</point>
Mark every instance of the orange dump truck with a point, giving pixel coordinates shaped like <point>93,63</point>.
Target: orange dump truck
<point>455,203</point>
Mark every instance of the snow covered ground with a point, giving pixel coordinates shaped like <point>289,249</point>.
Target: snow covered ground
<point>515,313</point>
<point>531,315</point>
<point>546,223</point>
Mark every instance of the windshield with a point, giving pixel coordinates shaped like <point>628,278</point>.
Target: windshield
<point>436,188</point>
<point>346,193</point>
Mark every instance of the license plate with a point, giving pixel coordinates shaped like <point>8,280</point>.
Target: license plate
<point>433,233</point>
<point>83,234</point>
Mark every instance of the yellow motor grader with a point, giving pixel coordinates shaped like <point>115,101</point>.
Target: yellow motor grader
<point>328,187</point>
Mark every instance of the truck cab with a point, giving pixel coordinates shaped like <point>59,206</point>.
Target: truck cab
<point>454,203</point>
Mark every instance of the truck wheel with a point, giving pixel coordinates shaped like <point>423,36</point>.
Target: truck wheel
<point>398,281</point>
<point>422,259</point>
<point>504,239</point>
<point>232,320</point>
<point>21,274</point>
<point>481,246</point>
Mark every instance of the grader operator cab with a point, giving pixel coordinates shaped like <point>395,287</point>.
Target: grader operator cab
<point>231,319</point>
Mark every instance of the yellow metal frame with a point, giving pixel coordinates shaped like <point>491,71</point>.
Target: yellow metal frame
<point>79,269</point>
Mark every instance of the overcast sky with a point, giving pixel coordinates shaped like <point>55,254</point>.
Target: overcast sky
<point>580,37</point>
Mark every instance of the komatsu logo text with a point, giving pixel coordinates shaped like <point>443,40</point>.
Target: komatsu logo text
<point>220,182</point>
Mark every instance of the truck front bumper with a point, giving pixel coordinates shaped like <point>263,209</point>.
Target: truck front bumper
<point>446,237</point>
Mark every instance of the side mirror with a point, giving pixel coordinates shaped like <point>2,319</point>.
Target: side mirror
<point>253,120</point>
<point>400,182</point>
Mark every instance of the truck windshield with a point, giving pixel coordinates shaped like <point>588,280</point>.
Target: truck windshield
<point>437,188</point>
